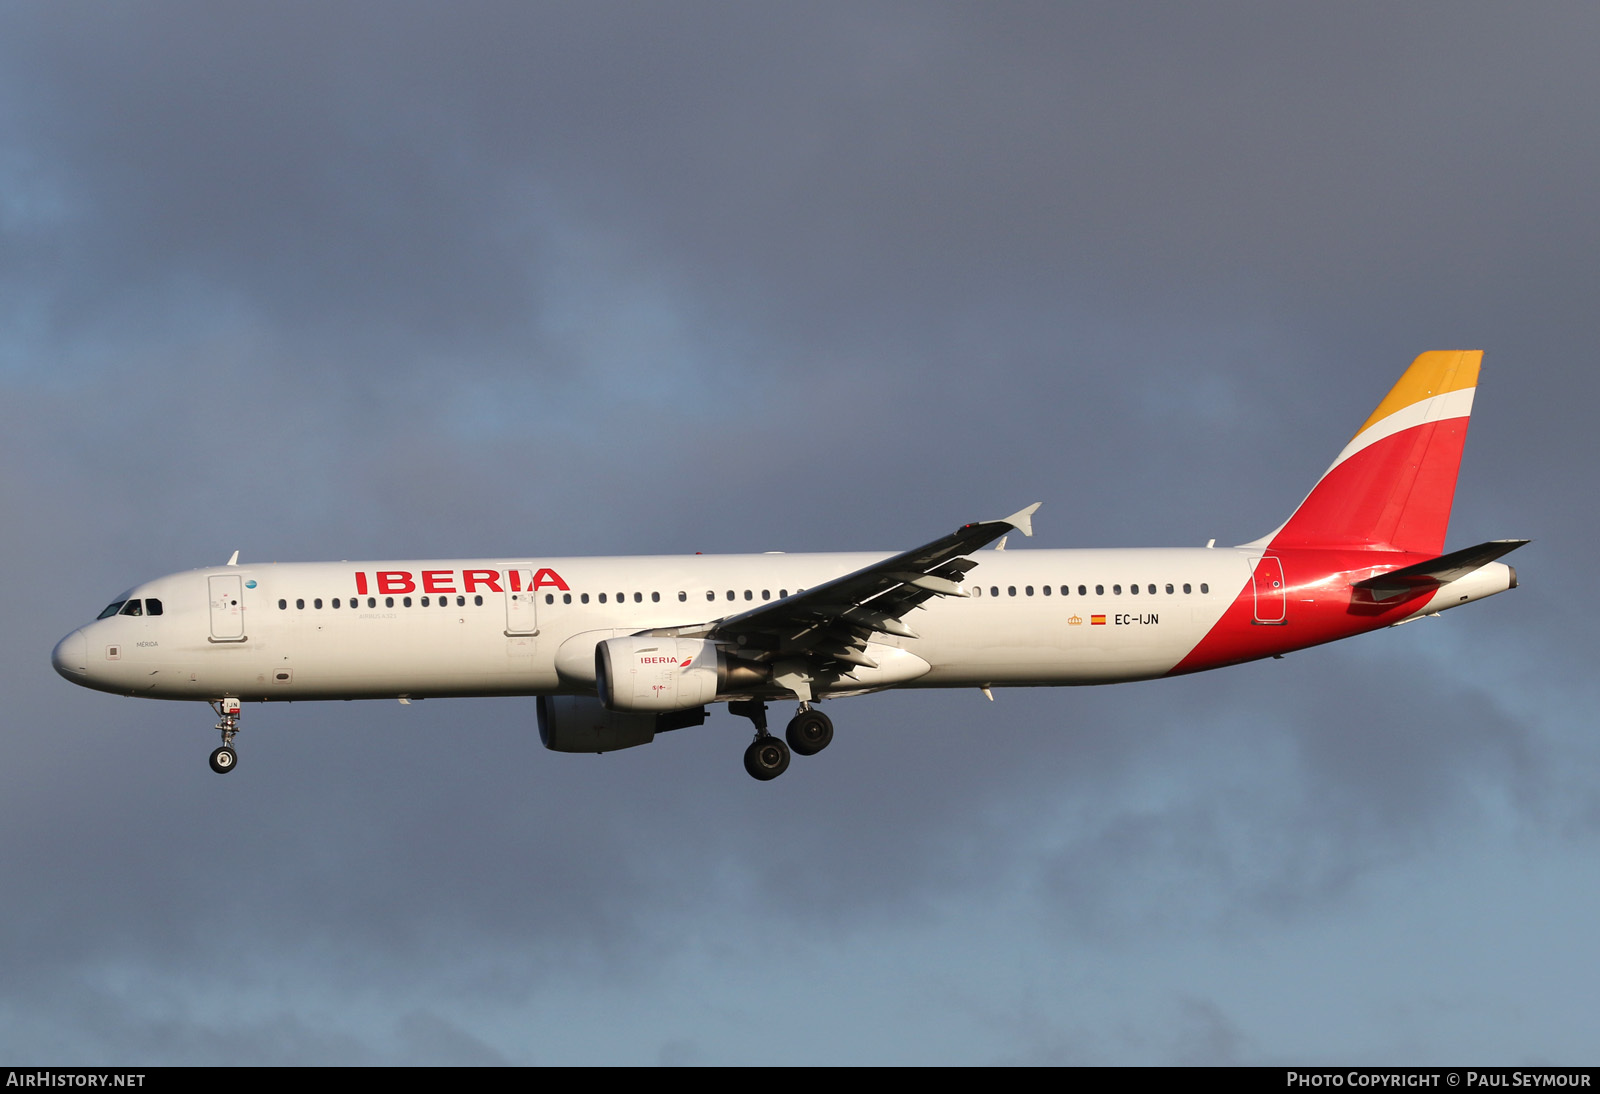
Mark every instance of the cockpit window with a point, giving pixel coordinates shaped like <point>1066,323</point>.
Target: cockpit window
<point>111,609</point>
<point>131,608</point>
<point>152,606</point>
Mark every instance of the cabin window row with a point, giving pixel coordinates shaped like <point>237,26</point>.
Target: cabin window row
<point>372,602</point>
<point>1134,589</point>
<point>153,607</point>
<point>655,598</point>
<point>461,601</point>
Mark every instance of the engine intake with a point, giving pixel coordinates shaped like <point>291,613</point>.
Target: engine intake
<point>579,723</point>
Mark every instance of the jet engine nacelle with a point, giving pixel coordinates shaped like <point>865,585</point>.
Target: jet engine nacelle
<point>580,723</point>
<point>659,674</point>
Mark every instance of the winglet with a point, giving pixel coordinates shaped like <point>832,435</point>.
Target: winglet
<point>1022,520</point>
<point>234,561</point>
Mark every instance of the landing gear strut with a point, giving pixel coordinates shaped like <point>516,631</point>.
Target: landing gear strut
<point>767,757</point>
<point>223,759</point>
<point>810,731</point>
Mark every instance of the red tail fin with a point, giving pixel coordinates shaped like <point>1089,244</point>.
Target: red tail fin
<point>1393,485</point>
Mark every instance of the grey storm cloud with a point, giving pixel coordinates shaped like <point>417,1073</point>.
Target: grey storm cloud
<point>409,280</point>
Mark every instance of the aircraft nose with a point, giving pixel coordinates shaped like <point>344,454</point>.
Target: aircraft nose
<point>71,656</point>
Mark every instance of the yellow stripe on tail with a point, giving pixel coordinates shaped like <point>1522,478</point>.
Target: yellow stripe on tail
<point>1433,373</point>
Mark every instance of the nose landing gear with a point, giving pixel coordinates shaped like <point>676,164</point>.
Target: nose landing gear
<point>223,759</point>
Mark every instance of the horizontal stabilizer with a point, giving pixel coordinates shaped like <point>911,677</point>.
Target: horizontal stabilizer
<point>1439,570</point>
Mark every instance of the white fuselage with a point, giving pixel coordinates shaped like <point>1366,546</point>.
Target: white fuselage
<point>448,628</point>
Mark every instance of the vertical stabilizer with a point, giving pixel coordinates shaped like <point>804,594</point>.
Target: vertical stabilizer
<point>1393,485</point>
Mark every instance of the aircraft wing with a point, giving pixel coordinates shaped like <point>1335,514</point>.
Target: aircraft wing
<point>824,631</point>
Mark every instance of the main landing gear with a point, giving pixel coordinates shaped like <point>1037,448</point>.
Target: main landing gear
<point>223,759</point>
<point>809,732</point>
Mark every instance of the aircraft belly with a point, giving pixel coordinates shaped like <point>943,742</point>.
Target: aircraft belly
<point>438,658</point>
<point>365,658</point>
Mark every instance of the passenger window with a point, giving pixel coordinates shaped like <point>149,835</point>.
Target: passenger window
<point>335,603</point>
<point>1046,590</point>
<point>766,594</point>
<point>549,598</point>
<point>1151,589</point>
<point>283,605</point>
<point>461,602</point>
<point>782,593</point>
<point>994,590</point>
<point>638,598</point>
<point>406,602</point>
<point>388,602</point>
<point>566,598</point>
<point>748,595</point>
<point>1134,589</point>
<point>655,598</point>
<point>1099,590</point>
<point>602,598</point>
<point>478,601</point>
<point>583,598</point>
<point>152,607</point>
<point>710,595</point>
<point>1028,589</point>
<point>372,602</point>
<point>424,602</point>
<point>317,603</point>
<point>682,596</point>
<point>1169,588</point>
<point>1186,587</point>
<point>1116,590</point>
<point>1083,590</point>
<point>300,605</point>
<point>1204,587</point>
<point>730,594</point>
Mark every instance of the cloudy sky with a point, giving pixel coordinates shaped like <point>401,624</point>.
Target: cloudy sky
<point>319,281</point>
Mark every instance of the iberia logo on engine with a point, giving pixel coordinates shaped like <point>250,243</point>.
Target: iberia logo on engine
<point>666,661</point>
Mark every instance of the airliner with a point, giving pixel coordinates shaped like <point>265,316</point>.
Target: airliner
<point>618,650</point>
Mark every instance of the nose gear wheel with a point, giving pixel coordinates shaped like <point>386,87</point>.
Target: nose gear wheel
<point>223,759</point>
